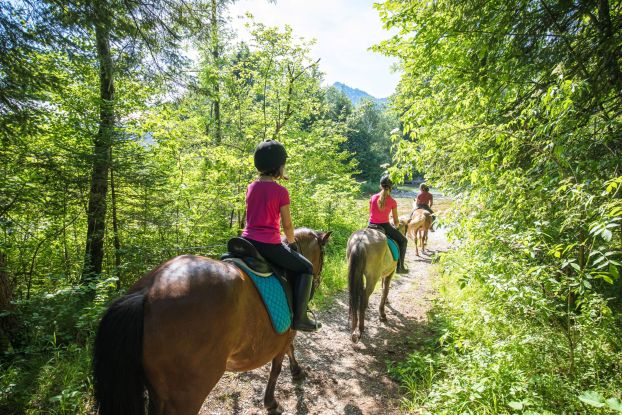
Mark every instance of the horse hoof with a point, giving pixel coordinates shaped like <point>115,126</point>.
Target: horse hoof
<point>383,318</point>
<point>275,410</point>
<point>355,338</point>
<point>298,375</point>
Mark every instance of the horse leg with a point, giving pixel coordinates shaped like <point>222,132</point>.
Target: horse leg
<point>187,401</point>
<point>294,367</point>
<point>386,300</point>
<point>354,317</point>
<point>269,402</point>
<point>385,293</point>
<point>416,248</point>
<point>363,309</point>
<point>155,405</point>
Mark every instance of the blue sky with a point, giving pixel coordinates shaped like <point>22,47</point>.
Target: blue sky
<point>343,29</point>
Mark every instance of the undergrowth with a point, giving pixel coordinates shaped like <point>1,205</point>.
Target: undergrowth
<point>492,354</point>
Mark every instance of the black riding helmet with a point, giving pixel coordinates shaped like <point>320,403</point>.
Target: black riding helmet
<point>270,155</point>
<point>385,182</point>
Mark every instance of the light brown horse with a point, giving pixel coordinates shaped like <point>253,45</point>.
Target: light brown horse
<point>418,227</point>
<point>181,327</point>
<point>368,257</point>
<point>403,224</point>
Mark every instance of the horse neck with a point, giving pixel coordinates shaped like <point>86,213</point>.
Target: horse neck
<point>308,248</point>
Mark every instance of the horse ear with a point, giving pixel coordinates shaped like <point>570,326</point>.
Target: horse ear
<point>324,237</point>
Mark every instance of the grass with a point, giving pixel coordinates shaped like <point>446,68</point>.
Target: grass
<point>55,381</point>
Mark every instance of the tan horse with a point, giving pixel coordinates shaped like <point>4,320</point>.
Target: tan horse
<point>418,227</point>
<point>181,327</point>
<point>403,224</point>
<point>368,256</point>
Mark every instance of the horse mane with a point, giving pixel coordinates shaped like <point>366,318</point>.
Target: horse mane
<point>306,235</point>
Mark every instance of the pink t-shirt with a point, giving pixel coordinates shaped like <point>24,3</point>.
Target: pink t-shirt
<point>424,198</point>
<point>376,215</point>
<point>263,211</point>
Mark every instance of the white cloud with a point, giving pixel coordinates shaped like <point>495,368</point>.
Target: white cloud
<point>344,30</point>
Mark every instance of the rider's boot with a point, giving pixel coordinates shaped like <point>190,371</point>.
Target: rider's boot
<point>401,269</point>
<point>302,290</point>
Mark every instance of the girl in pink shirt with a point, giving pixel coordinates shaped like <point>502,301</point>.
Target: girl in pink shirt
<point>425,200</point>
<point>267,207</point>
<point>380,206</point>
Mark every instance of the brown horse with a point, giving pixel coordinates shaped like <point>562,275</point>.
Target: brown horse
<point>181,327</point>
<point>418,227</point>
<point>368,255</point>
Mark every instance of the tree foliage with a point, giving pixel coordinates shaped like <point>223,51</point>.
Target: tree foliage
<point>175,169</point>
<point>515,107</point>
<point>368,128</point>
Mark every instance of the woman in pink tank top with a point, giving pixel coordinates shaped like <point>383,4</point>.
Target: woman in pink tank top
<point>380,206</point>
<point>267,207</point>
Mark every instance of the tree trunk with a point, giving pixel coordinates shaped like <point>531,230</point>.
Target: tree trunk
<point>10,333</point>
<point>216,58</point>
<point>115,225</point>
<point>94,254</point>
<point>609,49</point>
<point>66,262</point>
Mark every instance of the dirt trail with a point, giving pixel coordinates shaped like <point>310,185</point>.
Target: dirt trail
<point>342,378</point>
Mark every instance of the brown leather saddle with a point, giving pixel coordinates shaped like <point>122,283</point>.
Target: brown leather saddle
<point>240,249</point>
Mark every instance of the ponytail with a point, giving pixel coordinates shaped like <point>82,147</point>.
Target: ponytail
<point>383,197</point>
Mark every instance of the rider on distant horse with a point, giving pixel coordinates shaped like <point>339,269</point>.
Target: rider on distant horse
<point>267,205</point>
<point>380,205</point>
<point>425,200</point>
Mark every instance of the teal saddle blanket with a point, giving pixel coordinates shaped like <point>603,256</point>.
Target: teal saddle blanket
<point>395,251</point>
<point>272,294</point>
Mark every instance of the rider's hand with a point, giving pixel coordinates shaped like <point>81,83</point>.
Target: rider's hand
<point>293,246</point>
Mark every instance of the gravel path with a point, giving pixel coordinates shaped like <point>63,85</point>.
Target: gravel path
<point>342,378</point>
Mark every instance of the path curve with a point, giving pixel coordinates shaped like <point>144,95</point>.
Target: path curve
<point>343,378</point>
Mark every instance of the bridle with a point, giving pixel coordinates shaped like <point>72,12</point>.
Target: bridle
<point>317,277</point>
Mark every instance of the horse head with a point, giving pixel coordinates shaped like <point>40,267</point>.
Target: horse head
<point>312,246</point>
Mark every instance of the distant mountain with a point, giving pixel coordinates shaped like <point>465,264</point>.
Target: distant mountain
<point>356,95</point>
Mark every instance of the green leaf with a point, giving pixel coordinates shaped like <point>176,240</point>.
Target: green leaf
<point>614,404</point>
<point>592,398</point>
<point>606,234</point>
<point>516,405</point>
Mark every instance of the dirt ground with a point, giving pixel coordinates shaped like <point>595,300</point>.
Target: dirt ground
<point>342,378</point>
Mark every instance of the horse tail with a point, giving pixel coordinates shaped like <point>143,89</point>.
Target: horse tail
<point>118,377</point>
<point>356,265</point>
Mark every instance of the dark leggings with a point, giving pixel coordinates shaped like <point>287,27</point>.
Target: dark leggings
<point>397,236</point>
<point>283,256</point>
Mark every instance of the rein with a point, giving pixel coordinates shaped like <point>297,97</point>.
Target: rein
<point>317,278</point>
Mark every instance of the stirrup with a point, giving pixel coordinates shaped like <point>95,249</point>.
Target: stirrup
<point>309,326</point>
<point>318,325</point>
